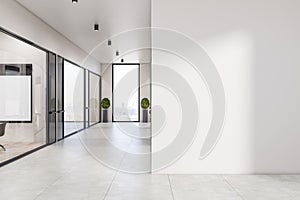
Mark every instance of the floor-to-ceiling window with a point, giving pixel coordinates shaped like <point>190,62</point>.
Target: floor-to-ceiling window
<point>73,98</point>
<point>22,97</point>
<point>94,98</point>
<point>126,93</point>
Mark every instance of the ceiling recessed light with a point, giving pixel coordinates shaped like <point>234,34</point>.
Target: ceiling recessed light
<point>96,27</point>
<point>74,1</point>
<point>117,53</point>
<point>122,60</point>
<point>109,43</point>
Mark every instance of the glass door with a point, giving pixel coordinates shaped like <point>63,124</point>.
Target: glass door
<point>55,98</point>
<point>94,98</point>
<point>87,102</point>
<point>74,98</point>
<point>60,98</point>
<point>51,98</point>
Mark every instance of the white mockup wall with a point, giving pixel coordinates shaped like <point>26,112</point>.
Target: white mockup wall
<point>15,18</point>
<point>255,47</point>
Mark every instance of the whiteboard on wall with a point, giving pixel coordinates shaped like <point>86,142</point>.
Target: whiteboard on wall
<point>15,98</point>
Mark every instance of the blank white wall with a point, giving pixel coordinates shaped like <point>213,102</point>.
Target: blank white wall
<point>17,19</point>
<point>255,46</point>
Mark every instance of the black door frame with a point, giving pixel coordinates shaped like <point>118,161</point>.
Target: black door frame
<point>57,111</point>
<point>139,90</point>
<point>62,109</point>
<point>84,100</point>
<point>88,95</point>
<point>48,101</point>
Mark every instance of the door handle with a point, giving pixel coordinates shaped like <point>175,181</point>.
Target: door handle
<point>60,111</point>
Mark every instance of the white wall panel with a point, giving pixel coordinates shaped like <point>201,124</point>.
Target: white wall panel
<point>254,46</point>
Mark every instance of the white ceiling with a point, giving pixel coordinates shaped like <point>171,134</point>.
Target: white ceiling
<point>118,18</point>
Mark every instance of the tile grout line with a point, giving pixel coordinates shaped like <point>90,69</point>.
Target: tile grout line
<point>170,184</point>
<point>85,148</point>
<point>117,171</point>
<point>233,188</point>
<point>291,196</point>
<point>51,184</point>
<point>110,185</point>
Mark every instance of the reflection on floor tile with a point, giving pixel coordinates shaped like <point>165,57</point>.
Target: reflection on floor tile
<point>121,146</point>
<point>136,187</point>
<point>260,186</point>
<point>68,170</point>
<point>208,187</point>
<point>71,127</point>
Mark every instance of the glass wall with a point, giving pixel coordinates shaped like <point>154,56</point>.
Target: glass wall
<point>23,97</point>
<point>94,98</point>
<point>87,109</point>
<point>73,98</point>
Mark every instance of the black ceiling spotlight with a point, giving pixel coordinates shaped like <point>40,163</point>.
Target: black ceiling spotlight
<point>122,60</point>
<point>117,53</point>
<point>96,27</point>
<point>74,1</point>
<point>109,43</point>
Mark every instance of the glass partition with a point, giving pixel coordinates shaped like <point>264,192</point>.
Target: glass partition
<point>73,98</point>
<point>52,98</point>
<point>22,97</point>
<point>87,108</point>
<point>94,98</point>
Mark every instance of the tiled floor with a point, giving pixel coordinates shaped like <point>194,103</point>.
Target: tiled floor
<point>69,171</point>
<point>71,127</point>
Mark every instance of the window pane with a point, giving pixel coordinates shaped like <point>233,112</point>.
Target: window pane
<point>126,92</point>
<point>94,99</point>
<point>23,111</point>
<point>73,98</point>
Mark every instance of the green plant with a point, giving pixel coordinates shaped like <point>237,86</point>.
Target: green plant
<point>105,103</point>
<point>145,103</point>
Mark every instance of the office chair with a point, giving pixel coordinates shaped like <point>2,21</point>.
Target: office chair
<point>2,132</point>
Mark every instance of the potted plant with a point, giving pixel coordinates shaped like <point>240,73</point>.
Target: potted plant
<point>105,104</point>
<point>145,103</point>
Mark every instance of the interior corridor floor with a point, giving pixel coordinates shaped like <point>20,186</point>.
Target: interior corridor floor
<point>69,170</point>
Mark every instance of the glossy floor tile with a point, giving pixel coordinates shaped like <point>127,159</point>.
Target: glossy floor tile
<point>136,187</point>
<point>72,169</point>
<point>212,187</point>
